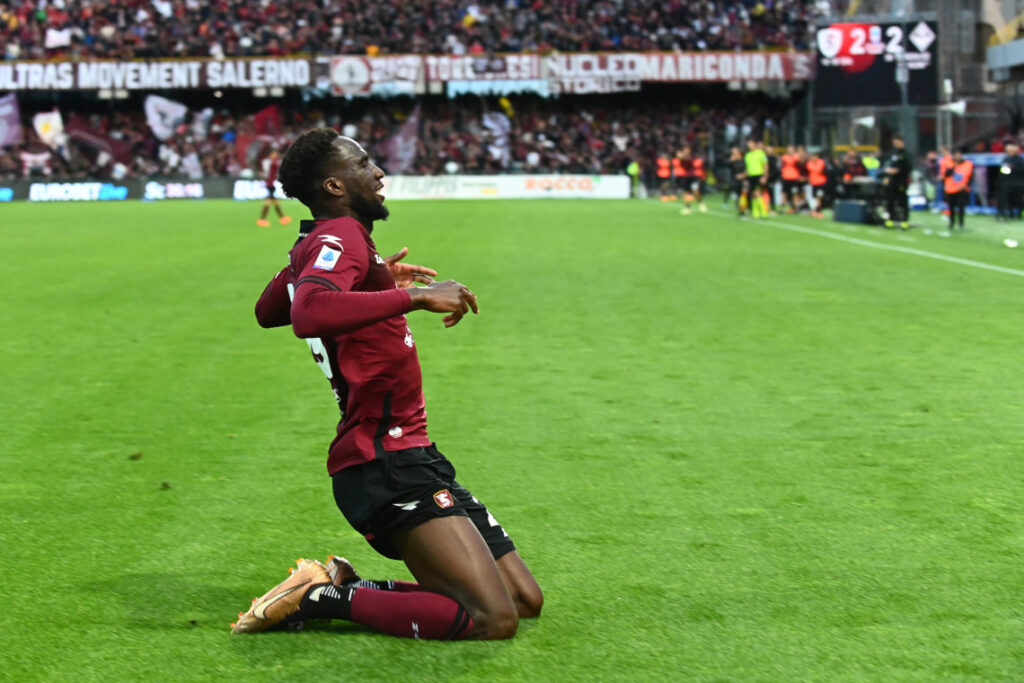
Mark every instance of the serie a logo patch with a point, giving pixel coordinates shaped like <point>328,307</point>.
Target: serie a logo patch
<point>444,499</point>
<point>327,259</point>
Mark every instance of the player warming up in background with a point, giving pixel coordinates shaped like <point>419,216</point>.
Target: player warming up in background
<point>692,181</point>
<point>271,166</point>
<point>389,480</point>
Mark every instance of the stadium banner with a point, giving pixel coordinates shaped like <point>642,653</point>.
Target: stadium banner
<point>353,75</point>
<point>365,76</point>
<point>507,187</point>
<point>625,67</point>
<point>190,74</point>
<point>574,71</point>
<point>859,64</point>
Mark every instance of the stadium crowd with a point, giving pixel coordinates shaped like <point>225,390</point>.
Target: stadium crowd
<point>540,136</point>
<point>126,29</point>
<point>543,136</point>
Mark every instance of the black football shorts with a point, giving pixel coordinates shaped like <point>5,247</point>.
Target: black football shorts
<point>403,489</point>
<point>792,187</point>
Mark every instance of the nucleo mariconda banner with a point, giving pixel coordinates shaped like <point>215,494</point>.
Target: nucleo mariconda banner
<point>857,64</point>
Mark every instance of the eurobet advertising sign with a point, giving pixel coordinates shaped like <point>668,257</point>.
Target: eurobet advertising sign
<point>76,192</point>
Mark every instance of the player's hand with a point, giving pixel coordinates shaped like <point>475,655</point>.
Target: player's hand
<point>407,274</point>
<point>449,297</point>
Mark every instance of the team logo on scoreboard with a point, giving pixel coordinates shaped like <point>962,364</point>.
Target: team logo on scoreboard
<point>830,41</point>
<point>922,37</point>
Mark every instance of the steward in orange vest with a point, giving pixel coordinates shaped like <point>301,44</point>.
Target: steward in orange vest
<point>958,175</point>
<point>665,171</point>
<point>957,188</point>
<point>792,183</point>
<point>817,178</point>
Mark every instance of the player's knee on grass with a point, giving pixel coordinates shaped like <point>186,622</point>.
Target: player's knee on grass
<point>498,625</point>
<point>529,602</point>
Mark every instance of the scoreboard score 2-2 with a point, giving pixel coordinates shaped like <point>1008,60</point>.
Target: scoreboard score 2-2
<point>862,64</point>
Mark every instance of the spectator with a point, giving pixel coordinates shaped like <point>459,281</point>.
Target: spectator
<point>573,135</point>
<point>190,28</point>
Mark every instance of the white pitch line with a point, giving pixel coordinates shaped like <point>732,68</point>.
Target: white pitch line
<point>887,247</point>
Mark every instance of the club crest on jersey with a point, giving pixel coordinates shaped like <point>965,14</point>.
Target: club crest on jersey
<point>327,259</point>
<point>444,499</point>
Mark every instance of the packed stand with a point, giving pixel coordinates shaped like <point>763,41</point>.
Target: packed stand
<point>539,136</point>
<point>235,28</point>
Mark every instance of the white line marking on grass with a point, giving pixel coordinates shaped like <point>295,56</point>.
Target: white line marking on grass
<point>887,247</point>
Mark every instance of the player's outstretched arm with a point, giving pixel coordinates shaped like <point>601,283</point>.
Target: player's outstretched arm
<point>445,297</point>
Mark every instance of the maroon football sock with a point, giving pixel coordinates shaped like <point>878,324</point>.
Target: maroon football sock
<point>417,614</point>
<point>403,611</point>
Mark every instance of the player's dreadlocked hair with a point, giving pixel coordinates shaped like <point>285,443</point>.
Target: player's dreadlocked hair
<point>304,166</point>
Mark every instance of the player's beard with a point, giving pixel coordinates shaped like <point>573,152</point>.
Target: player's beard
<point>370,209</point>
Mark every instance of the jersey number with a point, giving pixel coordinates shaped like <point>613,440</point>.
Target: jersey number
<point>316,345</point>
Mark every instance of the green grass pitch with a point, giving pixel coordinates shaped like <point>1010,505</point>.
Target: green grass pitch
<point>728,450</point>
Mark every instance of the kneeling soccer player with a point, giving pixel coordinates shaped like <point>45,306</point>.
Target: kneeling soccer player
<point>389,480</point>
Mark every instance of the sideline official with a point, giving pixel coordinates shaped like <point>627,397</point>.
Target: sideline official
<point>895,182</point>
<point>1011,184</point>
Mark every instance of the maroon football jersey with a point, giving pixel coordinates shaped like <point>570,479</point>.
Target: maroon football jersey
<point>344,301</point>
<point>270,169</point>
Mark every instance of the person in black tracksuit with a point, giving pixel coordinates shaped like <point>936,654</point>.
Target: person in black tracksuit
<point>739,187</point>
<point>896,180</point>
<point>1011,184</point>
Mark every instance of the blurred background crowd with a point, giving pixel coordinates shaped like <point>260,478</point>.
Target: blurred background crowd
<point>126,29</point>
<point>535,135</point>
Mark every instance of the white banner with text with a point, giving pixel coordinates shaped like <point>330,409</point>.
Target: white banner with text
<point>554,186</point>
